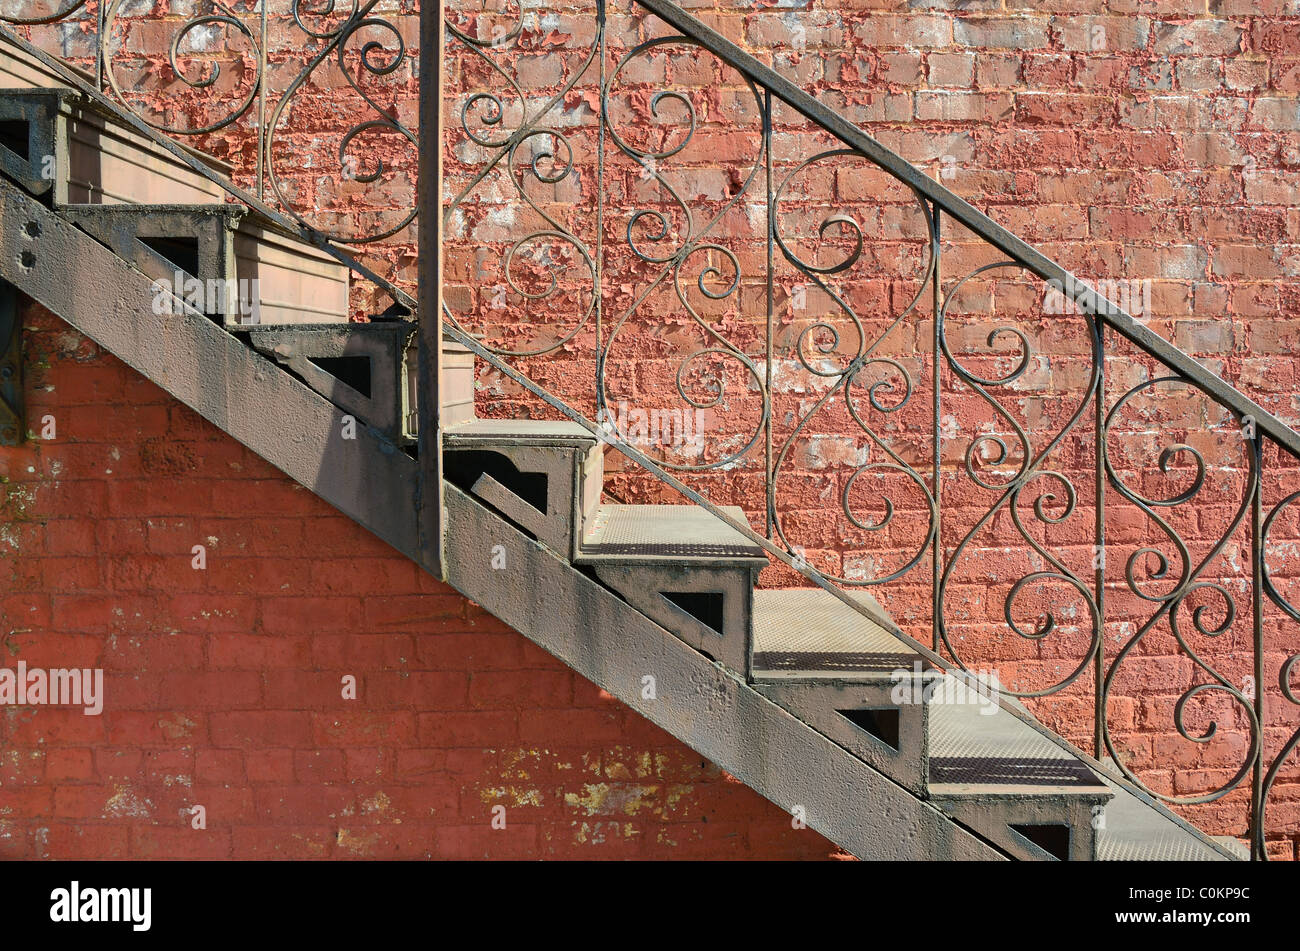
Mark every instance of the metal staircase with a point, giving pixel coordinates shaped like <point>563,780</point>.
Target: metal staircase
<point>812,696</point>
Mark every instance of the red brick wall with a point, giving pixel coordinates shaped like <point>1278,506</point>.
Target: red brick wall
<point>1145,142</point>
<point>1129,139</point>
<point>223,685</point>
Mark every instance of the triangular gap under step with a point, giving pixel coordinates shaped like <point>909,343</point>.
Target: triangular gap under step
<point>352,371</point>
<point>705,606</point>
<point>182,252</point>
<point>883,724</point>
<point>463,469</point>
<point>1053,839</point>
<point>14,135</point>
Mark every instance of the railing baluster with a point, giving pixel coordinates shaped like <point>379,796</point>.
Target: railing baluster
<point>936,554</point>
<point>1099,551</point>
<point>1257,620</point>
<point>430,285</point>
<point>261,103</point>
<point>598,290</point>
<point>769,489</point>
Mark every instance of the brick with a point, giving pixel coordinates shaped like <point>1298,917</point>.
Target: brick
<point>278,842</point>
<point>1275,114</point>
<point>87,841</point>
<point>261,729</point>
<point>269,766</point>
<point>962,106</point>
<point>1197,38</point>
<point>1010,33</point>
<point>905,31</point>
<point>320,615</point>
<point>1103,34</point>
<point>219,766</point>
<point>481,841</point>
<point>257,651</point>
<point>162,842</point>
<point>950,69</point>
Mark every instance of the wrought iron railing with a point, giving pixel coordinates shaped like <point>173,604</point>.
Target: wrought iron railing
<point>1065,496</point>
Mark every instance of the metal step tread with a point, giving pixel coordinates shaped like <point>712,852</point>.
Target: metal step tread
<point>243,219</point>
<point>978,749</point>
<point>485,433</point>
<point>356,326</point>
<point>1134,832</point>
<point>809,634</point>
<point>226,209</point>
<point>655,534</point>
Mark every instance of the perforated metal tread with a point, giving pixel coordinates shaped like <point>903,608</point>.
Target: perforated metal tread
<point>667,533</point>
<point>973,754</point>
<point>1135,832</point>
<point>976,747</point>
<point>808,633</point>
<point>484,433</point>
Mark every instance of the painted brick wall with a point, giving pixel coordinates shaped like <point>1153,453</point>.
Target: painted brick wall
<point>223,685</point>
<point>1139,142</point>
<point>1135,140</point>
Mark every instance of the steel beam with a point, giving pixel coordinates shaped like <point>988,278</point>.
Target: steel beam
<point>429,292</point>
<point>367,477</point>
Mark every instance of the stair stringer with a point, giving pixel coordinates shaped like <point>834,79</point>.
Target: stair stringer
<point>715,713</point>
<point>63,268</point>
<point>372,481</point>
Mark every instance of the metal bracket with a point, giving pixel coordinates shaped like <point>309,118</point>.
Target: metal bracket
<point>37,118</point>
<point>205,232</point>
<point>13,416</point>
<point>382,347</point>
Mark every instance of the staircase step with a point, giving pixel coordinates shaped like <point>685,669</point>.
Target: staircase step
<point>667,534</point>
<point>534,432</point>
<point>70,149</point>
<point>543,475</point>
<point>245,270</point>
<point>456,383</point>
<point>363,368</point>
<point>297,282</point>
<point>1005,780</point>
<point>809,633</point>
<point>845,676</point>
<point>1132,831</point>
<point>182,247</point>
<point>685,569</point>
<point>370,370</point>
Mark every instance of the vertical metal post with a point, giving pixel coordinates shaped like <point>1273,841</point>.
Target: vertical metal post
<point>429,292</point>
<point>599,289</point>
<point>1099,549</point>
<point>936,556</point>
<point>1258,848</point>
<point>768,487</point>
<point>264,69</point>
<point>101,19</point>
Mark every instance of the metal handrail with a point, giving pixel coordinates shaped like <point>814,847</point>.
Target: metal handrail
<point>981,224</point>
